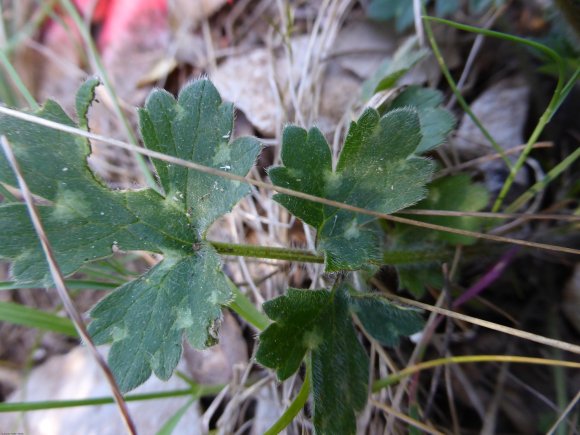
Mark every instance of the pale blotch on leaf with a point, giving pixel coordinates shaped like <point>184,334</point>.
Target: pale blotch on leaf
<point>313,339</point>
<point>69,205</point>
<point>183,318</point>
<point>352,232</point>
<point>223,154</point>
<point>333,181</point>
<point>118,333</point>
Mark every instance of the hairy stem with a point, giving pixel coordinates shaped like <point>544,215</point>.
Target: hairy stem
<point>267,252</point>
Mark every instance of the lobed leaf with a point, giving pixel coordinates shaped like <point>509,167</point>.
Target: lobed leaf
<point>455,193</point>
<point>436,122</point>
<point>391,70</point>
<point>377,170</point>
<point>145,319</point>
<point>383,320</point>
<point>85,220</point>
<point>197,127</point>
<point>318,323</point>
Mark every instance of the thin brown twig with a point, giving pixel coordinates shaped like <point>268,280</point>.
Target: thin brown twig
<point>404,417</point>
<point>415,356</point>
<point>62,291</point>
<point>484,214</point>
<point>451,399</point>
<point>220,173</point>
<point>487,158</point>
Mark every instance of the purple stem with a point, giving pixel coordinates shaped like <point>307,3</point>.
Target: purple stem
<point>486,280</point>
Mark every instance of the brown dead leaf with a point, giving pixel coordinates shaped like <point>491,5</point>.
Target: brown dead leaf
<point>245,81</point>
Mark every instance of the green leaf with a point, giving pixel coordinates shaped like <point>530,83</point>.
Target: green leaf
<point>391,70</point>
<point>145,318</point>
<point>377,170</point>
<point>383,320</point>
<point>318,322</point>
<point>436,123</point>
<point>399,10</point>
<point>84,99</point>
<point>85,221</point>
<point>197,127</point>
<point>415,277</point>
<point>455,193</point>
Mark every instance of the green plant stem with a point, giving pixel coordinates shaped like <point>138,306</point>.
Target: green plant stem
<point>247,310</point>
<point>197,392</point>
<point>6,92</point>
<point>294,408</point>
<point>94,55</point>
<point>457,93</point>
<point>254,251</point>
<point>538,186</point>
<point>266,252</point>
<point>554,103</point>
<point>171,424</point>
<point>560,167</point>
<point>544,119</point>
<point>15,77</point>
<point>567,88</point>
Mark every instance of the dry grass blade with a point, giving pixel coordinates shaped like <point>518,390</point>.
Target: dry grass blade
<point>405,418</point>
<point>558,344</point>
<point>483,214</point>
<point>268,186</point>
<point>62,290</point>
<point>487,158</point>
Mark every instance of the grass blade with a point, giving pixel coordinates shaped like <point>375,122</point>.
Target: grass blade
<point>18,314</point>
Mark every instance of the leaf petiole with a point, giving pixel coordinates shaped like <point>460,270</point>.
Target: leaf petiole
<point>241,250</point>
